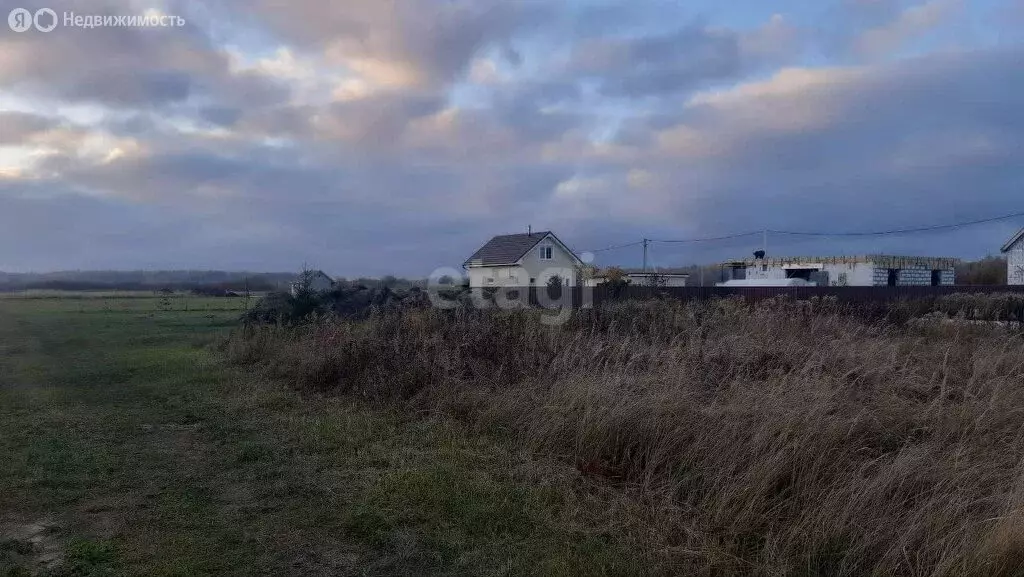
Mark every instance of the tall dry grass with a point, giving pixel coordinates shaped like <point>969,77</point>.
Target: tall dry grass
<point>783,439</point>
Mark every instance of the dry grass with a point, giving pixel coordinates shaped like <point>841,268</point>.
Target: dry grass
<point>786,439</point>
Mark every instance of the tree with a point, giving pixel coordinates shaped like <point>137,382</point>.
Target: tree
<point>990,270</point>
<point>554,287</point>
<point>615,279</point>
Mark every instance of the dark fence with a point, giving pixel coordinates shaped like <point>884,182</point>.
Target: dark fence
<point>843,294</point>
<point>970,302</point>
<point>594,296</point>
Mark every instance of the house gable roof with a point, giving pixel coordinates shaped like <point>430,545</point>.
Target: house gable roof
<point>1013,241</point>
<point>508,249</point>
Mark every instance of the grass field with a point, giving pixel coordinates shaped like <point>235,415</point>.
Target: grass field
<point>130,448</point>
<point>778,438</point>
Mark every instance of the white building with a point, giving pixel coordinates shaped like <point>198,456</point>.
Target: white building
<point>740,283</point>
<point>870,270</point>
<point>530,259</point>
<point>1014,251</point>
<point>639,277</point>
<point>316,280</point>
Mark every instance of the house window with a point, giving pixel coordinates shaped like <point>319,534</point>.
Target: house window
<point>545,252</point>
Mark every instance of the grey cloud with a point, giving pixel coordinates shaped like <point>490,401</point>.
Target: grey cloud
<point>671,62</point>
<point>220,115</point>
<point>435,39</point>
<point>926,141</point>
<point>684,59</point>
<point>409,177</point>
<point>120,66</point>
<point>15,127</point>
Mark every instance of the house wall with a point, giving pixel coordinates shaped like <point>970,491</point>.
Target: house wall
<point>320,284</point>
<point>498,276</point>
<point>561,263</point>
<point>1015,264</point>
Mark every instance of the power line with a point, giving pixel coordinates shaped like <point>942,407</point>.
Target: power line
<point>712,238</point>
<point>856,234</point>
<point>637,243</point>
<point>903,230</point>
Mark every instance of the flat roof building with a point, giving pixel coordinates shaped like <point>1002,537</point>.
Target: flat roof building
<point>867,270</point>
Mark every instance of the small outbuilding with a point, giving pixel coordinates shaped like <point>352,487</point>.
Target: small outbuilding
<point>1014,251</point>
<point>662,277</point>
<point>316,281</point>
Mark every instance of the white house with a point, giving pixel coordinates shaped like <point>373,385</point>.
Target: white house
<point>522,260</point>
<point>870,270</point>
<point>1014,251</point>
<point>316,280</point>
<point>640,277</point>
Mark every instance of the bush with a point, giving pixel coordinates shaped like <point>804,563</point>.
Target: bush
<point>350,301</point>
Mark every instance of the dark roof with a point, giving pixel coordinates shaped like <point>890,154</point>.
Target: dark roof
<point>1009,244</point>
<point>507,248</point>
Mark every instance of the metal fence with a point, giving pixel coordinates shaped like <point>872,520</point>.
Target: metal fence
<point>587,297</point>
<point>844,294</point>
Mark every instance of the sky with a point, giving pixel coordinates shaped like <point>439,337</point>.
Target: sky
<point>375,137</point>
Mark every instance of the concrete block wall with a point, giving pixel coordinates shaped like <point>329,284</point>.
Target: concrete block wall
<point>913,276</point>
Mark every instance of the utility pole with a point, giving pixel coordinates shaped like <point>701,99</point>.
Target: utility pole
<point>645,254</point>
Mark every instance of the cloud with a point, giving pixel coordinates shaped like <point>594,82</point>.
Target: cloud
<point>393,137</point>
<point>17,127</point>
<point>400,43</point>
<point>912,23</point>
<point>150,67</point>
<point>683,59</point>
<point>846,148</point>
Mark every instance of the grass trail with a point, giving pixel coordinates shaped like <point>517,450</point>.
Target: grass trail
<point>130,449</point>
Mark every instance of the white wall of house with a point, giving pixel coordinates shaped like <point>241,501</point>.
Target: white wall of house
<point>533,268</point>
<point>1015,264</point>
<point>498,276</point>
<point>854,273</point>
<point>839,274</point>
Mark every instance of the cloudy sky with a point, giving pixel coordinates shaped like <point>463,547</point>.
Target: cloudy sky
<point>372,137</point>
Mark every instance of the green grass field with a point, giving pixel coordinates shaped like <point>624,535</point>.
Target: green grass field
<point>131,448</point>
